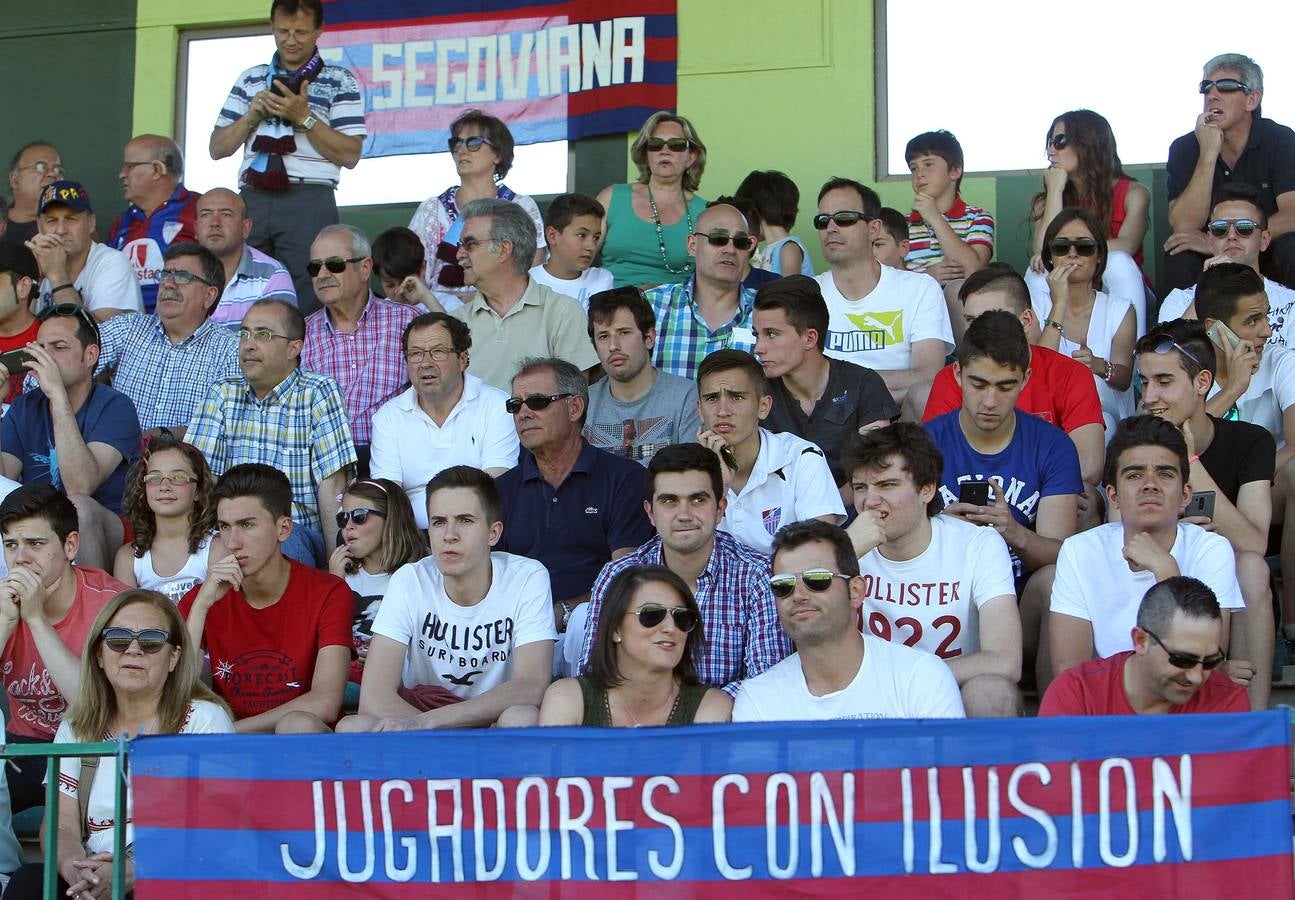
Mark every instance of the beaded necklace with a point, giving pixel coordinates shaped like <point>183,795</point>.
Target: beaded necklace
<point>660,234</point>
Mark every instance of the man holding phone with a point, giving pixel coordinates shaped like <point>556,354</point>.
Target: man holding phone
<point>19,280</point>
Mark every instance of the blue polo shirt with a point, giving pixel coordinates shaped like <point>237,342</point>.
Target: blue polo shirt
<point>574,528</point>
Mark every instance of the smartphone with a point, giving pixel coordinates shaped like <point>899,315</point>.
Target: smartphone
<point>974,492</point>
<point>1222,335</point>
<point>728,456</point>
<point>1202,504</point>
<point>291,82</point>
<point>13,360</point>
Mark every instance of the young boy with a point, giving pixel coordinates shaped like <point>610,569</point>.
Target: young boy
<point>573,229</point>
<point>400,263</point>
<point>891,246</point>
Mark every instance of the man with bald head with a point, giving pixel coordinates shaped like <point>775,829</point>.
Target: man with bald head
<point>710,311</point>
<point>34,165</point>
<point>223,227</point>
<point>161,210</point>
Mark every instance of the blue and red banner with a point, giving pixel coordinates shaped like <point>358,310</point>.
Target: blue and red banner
<point>1153,806</point>
<point>551,69</point>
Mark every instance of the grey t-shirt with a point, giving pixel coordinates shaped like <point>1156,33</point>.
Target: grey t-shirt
<point>666,415</point>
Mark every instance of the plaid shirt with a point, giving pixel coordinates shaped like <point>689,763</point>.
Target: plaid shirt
<point>738,613</point>
<point>299,428</point>
<point>367,364</point>
<point>166,381</point>
<point>683,339</point>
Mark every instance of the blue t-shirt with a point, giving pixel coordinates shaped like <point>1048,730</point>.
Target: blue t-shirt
<point>106,417</point>
<point>1041,461</point>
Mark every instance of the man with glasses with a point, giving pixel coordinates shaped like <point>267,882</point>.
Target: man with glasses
<point>282,416</point>
<point>355,338</point>
<point>447,417</point>
<point>1174,666</point>
<point>837,672</point>
<point>222,227</point>
<point>888,320</point>
<point>1231,143</point>
<point>34,165</point>
<point>711,310</point>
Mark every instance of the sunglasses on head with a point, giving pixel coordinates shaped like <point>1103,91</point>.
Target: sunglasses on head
<point>359,515</point>
<point>151,640</point>
<point>676,145</point>
<point>68,310</point>
<point>1058,142</point>
<point>473,143</point>
<point>1187,661</point>
<point>845,218</point>
<point>1245,227</point>
<point>817,580</point>
<point>335,264</point>
<point>1082,246</point>
<point>719,239</point>
<point>1165,344</point>
<point>1225,85</point>
<point>650,615</point>
<point>534,401</point>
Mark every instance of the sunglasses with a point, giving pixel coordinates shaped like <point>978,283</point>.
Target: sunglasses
<point>359,516</point>
<point>335,264</point>
<point>675,145</point>
<point>534,401</point>
<point>1245,227</point>
<point>1082,246</point>
<point>151,640</point>
<point>1187,661</point>
<point>650,615</point>
<point>473,143</point>
<point>1225,86</point>
<point>845,218</point>
<point>181,277</point>
<point>68,310</point>
<point>719,239</point>
<point>817,580</point>
<point>1165,344</point>
<point>1058,142</point>
<point>153,479</point>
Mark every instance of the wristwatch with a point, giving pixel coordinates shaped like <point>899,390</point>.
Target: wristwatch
<point>309,122</point>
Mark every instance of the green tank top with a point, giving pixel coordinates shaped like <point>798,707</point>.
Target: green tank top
<point>598,711</point>
<point>631,251</point>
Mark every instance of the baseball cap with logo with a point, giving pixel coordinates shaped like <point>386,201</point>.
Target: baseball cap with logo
<point>17,259</point>
<point>64,193</point>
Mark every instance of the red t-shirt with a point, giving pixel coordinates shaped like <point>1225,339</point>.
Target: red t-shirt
<point>263,658</point>
<point>1096,688</point>
<point>16,342</point>
<point>35,706</point>
<point>1060,391</point>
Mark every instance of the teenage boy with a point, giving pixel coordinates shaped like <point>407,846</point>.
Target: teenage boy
<point>278,633</point>
<point>19,279</point>
<point>573,229</point>
<point>463,635</point>
<point>891,245</point>
<point>400,263</point>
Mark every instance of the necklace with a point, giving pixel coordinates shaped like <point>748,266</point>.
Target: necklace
<point>674,705</point>
<point>660,233</point>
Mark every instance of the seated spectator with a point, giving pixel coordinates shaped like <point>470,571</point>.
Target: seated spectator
<point>75,267</point>
<point>172,519</point>
<point>162,212</point>
<point>642,667</point>
<point>35,165</point>
<point>837,672</point>
<point>353,338</point>
<point>309,439</point>
<point>1102,572</point>
<point>943,580</point>
<point>1080,321</point>
<point>401,267</point>
<point>71,431</point>
<point>222,227</point>
<point>46,607</point>
<point>890,247</point>
<point>447,417</point>
<point>771,479</point>
<point>278,633</point>
<point>138,675</point>
<point>819,398</point>
<point>573,232</point>
<point>1177,631</point>
<point>19,278</point>
<point>752,277</point>
<point>891,321</point>
<point>777,200</point>
<point>730,581</point>
<point>167,361</point>
<point>711,309</point>
<point>637,410</point>
<point>464,638</point>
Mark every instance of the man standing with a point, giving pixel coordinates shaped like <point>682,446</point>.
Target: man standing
<point>76,268</point>
<point>34,165</point>
<point>161,211</point>
<point>299,121</point>
<point>223,227</point>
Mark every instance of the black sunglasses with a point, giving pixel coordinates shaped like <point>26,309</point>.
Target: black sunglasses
<point>473,143</point>
<point>677,145</point>
<point>335,264</point>
<point>719,239</point>
<point>845,218</point>
<point>1082,246</point>
<point>68,310</point>
<point>817,580</point>
<point>1164,345</point>
<point>1245,227</point>
<point>151,640</point>
<point>359,515</point>
<point>1225,86</point>
<point>534,401</point>
<point>1187,661</point>
<point>650,615</point>
<point>1058,142</point>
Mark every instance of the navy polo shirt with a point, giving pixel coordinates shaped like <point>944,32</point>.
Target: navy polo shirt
<point>1267,163</point>
<point>573,529</point>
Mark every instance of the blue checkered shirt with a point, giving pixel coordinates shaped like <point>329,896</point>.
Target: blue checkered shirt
<point>683,339</point>
<point>738,614</point>
<point>300,428</point>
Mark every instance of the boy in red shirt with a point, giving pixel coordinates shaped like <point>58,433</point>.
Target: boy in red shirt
<point>19,278</point>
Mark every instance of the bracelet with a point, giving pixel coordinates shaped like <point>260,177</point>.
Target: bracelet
<point>1051,324</point>
<point>1110,372</point>
<point>1192,459</point>
<point>61,287</point>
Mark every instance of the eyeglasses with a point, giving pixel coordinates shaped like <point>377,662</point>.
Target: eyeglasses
<point>1165,344</point>
<point>473,143</point>
<point>1187,661</point>
<point>674,145</point>
<point>650,615</point>
<point>1225,86</point>
<point>153,479</point>
<point>143,162</point>
<point>845,218</point>
<point>1245,227</point>
<point>44,168</point>
<point>151,640</point>
<point>534,401</point>
<point>335,264</point>
<point>817,580</point>
<point>437,354</point>
<point>719,239</point>
<point>68,310</point>
<point>470,244</point>
<point>1058,142</point>
<point>261,335</point>
<point>181,277</point>
<point>359,515</point>
<point>1082,246</point>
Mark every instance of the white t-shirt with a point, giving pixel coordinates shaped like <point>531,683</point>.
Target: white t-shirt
<point>1095,583</point>
<point>932,601</point>
<point>1271,392</point>
<point>894,682</point>
<point>106,282</point>
<point>466,649</point>
<point>174,586</point>
<point>790,482</point>
<point>878,331</point>
<point>591,281</point>
<point>1281,306</point>
<point>204,717</point>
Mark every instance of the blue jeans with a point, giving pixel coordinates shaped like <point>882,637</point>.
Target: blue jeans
<point>305,545</point>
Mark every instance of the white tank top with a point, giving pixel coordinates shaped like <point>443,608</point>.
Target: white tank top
<point>176,586</point>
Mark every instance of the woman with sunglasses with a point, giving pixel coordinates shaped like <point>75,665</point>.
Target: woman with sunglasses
<point>645,232</point>
<point>642,666</point>
<point>1081,321</point>
<point>1085,171</point>
<point>172,519</point>
<point>139,675</point>
<point>482,147</point>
